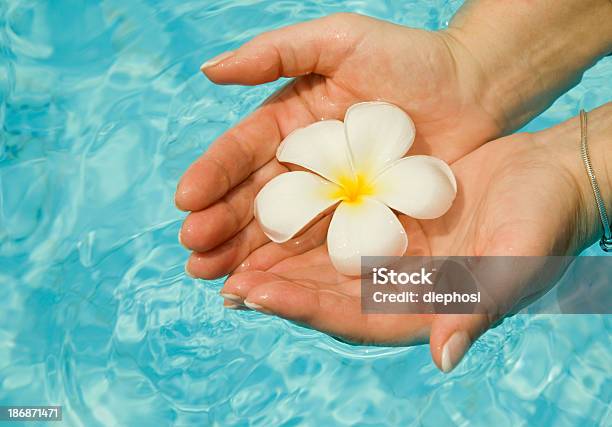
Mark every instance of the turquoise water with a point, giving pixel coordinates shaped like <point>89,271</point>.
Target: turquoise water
<point>103,108</point>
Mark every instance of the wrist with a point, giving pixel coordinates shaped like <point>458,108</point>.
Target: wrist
<point>525,55</point>
<point>562,145</point>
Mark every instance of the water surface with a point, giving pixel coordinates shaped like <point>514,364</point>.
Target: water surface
<point>103,107</point>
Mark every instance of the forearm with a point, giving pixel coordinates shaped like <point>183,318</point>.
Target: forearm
<point>527,53</point>
<point>563,141</point>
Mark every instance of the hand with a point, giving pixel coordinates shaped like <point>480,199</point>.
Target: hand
<point>343,59</point>
<point>520,195</point>
<point>449,82</point>
<point>461,87</point>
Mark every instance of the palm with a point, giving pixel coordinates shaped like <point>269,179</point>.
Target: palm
<point>490,217</point>
<point>414,69</point>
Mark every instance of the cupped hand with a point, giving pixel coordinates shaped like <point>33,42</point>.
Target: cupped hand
<point>519,195</point>
<point>337,61</point>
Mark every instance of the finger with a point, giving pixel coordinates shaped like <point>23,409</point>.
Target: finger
<point>503,283</point>
<point>229,160</point>
<point>242,150</point>
<point>206,229</point>
<point>234,305</point>
<point>237,286</point>
<point>298,301</point>
<point>317,46</point>
<point>223,259</point>
<point>453,334</point>
<point>315,264</point>
<point>325,309</point>
<point>271,254</point>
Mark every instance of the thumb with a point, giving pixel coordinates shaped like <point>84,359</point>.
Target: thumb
<point>317,46</point>
<point>453,334</point>
<point>506,284</point>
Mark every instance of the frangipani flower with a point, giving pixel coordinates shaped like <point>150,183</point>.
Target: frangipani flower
<point>358,169</point>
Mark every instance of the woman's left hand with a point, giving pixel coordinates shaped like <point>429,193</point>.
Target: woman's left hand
<point>521,195</point>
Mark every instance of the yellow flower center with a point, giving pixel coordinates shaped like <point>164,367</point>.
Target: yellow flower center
<point>353,188</point>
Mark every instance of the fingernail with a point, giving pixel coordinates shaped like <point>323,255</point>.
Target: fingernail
<point>188,273</point>
<point>454,349</point>
<point>231,297</point>
<point>232,306</point>
<point>180,239</point>
<point>217,60</point>
<point>255,307</point>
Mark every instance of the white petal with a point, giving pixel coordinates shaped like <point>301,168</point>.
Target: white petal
<point>320,147</point>
<point>291,201</point>
<point>378,133</point>
<point>368,228</point>
<point>422,187</point>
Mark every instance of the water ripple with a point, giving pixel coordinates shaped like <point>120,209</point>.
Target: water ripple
<point>102,108</point>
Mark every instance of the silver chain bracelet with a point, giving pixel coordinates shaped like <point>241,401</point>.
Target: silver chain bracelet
<point>606,239</point>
